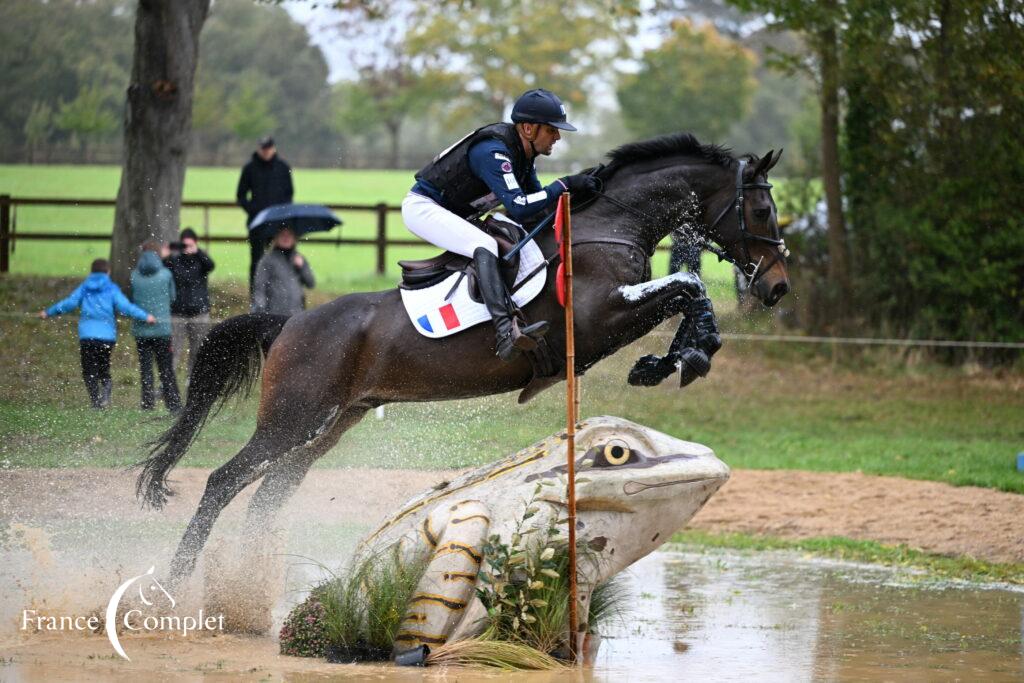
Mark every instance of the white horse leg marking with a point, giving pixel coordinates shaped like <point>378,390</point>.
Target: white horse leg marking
<point>645,290</point>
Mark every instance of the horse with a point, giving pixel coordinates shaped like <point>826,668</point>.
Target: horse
<point>323,369</point>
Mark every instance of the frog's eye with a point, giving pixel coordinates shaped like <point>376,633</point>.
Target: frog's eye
<point>616,454</point>
<point>613,454</point>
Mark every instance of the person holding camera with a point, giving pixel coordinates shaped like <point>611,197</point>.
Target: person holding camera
<point>190,267</point>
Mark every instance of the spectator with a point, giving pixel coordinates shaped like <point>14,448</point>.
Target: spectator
<point>280,277</point>
<point>99,300</point>
<point>190,311</point>
<point>266,180</point>
<point>153,288</point>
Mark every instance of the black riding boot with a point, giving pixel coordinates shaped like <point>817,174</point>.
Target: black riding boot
<point>510,338</point>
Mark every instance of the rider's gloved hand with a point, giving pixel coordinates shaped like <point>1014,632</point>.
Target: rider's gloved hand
<point>581,182</point>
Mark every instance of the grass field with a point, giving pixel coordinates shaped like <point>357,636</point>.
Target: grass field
<point>765,407</point>
<point>336,267</point>
<point>760,407</point>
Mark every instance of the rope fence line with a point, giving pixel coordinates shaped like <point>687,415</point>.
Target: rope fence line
<point>861,341</point>
<point>737,336</point>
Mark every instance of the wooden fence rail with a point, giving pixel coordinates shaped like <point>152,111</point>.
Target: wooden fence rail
<point>9,233</point>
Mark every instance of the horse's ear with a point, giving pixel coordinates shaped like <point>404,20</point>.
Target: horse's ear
<point>775,160</point>
<point>763,164</point>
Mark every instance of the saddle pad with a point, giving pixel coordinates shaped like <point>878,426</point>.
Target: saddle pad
<point>435,314</point>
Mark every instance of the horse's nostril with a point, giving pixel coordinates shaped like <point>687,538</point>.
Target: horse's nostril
<point>778,291</point>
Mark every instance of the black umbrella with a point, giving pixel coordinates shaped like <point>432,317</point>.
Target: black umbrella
<point>301,218</point>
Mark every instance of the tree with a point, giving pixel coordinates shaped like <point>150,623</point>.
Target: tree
<point>821,25</point>
<point>696,80</point>
<point>87,117</point>
<point>53,50</point>
<point>503,47</point>
<point>390,89</point>
<point>248,112</point>
<point>38,128</point>
<point>255,53</point>
<point>157,126</point>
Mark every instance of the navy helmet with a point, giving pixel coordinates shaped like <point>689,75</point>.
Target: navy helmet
<point>541,106</point>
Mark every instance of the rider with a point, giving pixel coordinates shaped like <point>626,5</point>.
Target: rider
<point>492,166</point>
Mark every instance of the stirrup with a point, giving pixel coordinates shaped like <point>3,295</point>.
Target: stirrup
<point>526,338</point>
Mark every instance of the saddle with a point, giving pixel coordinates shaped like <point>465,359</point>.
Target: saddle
<point>422,273</point>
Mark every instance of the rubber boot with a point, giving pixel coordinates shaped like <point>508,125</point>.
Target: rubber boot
<point>511,340</point>
<point>92,385</point>
<point>106,388</point>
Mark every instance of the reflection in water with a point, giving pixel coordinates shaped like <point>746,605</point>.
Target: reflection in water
<point>778,616</point>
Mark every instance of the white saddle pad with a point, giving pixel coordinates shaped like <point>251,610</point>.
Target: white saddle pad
<point>435,314</point>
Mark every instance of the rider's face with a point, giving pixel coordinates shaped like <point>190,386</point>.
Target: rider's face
<point>541,135</point>
<point>547,136</point>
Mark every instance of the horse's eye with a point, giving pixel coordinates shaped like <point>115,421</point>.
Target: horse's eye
<point>762,214</point>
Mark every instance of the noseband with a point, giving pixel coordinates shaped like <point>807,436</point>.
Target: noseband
<point>751,269</point>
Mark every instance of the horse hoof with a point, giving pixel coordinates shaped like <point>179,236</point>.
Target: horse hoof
<point>695,363</point>
<point>651,370</point>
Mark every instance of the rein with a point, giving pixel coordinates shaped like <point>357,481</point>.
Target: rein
<point>751,270</point>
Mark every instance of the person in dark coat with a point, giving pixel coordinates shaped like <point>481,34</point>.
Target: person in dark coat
<point>153,290</point>
<point>190,266</point>
<point>280,277</point>
<point>266,180</point>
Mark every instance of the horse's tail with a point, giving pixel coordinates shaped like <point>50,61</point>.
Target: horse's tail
<point>228,362</point>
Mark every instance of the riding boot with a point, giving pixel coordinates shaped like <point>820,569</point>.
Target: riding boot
<point>511,340</point>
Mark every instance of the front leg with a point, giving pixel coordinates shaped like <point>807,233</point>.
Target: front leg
<point>457,535</point>
<point>697,338</point>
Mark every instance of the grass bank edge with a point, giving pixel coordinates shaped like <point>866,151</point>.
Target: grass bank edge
<point>960,567</point>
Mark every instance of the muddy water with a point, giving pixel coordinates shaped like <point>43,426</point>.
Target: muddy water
<point>779,616</point>
<point>695,615</point>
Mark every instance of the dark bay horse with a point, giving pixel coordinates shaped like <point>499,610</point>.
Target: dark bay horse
<point>325,368</point>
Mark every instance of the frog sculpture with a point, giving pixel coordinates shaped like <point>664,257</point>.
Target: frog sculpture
<point>635,488</point>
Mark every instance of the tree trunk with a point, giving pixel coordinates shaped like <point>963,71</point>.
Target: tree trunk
<point>838,268</point>
<point>394,135</point>
<point>157,126</point>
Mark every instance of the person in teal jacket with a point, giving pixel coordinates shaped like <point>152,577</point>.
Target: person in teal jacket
<point>99,301</point>
<point>153,289</point>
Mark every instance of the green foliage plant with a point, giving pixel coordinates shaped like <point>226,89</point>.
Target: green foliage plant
<point>355,615</point>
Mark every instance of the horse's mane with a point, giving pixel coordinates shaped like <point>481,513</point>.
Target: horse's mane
<point>677,144</point>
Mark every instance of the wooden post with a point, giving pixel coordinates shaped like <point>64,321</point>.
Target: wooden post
<point>206,225</point>
<point>382,237</point>
<point>571,417</point>
<point>5,233</point>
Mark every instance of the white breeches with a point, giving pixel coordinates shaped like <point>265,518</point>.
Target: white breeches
<point>428,220</point>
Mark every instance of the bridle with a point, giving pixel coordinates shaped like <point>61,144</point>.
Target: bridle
<point>753,271</point>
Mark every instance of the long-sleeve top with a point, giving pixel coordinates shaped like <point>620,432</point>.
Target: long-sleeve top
<point>100,300</point>
<point>278,285</point>
<point>488,160</point>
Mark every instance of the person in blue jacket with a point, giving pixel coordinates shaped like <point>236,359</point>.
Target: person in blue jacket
<point>99,300</point>
<point>493,166</point>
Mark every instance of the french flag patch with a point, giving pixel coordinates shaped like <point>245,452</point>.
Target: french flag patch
<point>445,315</point>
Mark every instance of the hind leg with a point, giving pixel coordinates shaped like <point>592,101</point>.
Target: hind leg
<point>275,445</point>
<point>222,486</point>
<point>285,476</point>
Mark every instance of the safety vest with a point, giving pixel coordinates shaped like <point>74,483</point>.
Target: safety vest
<point>462,192</point>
